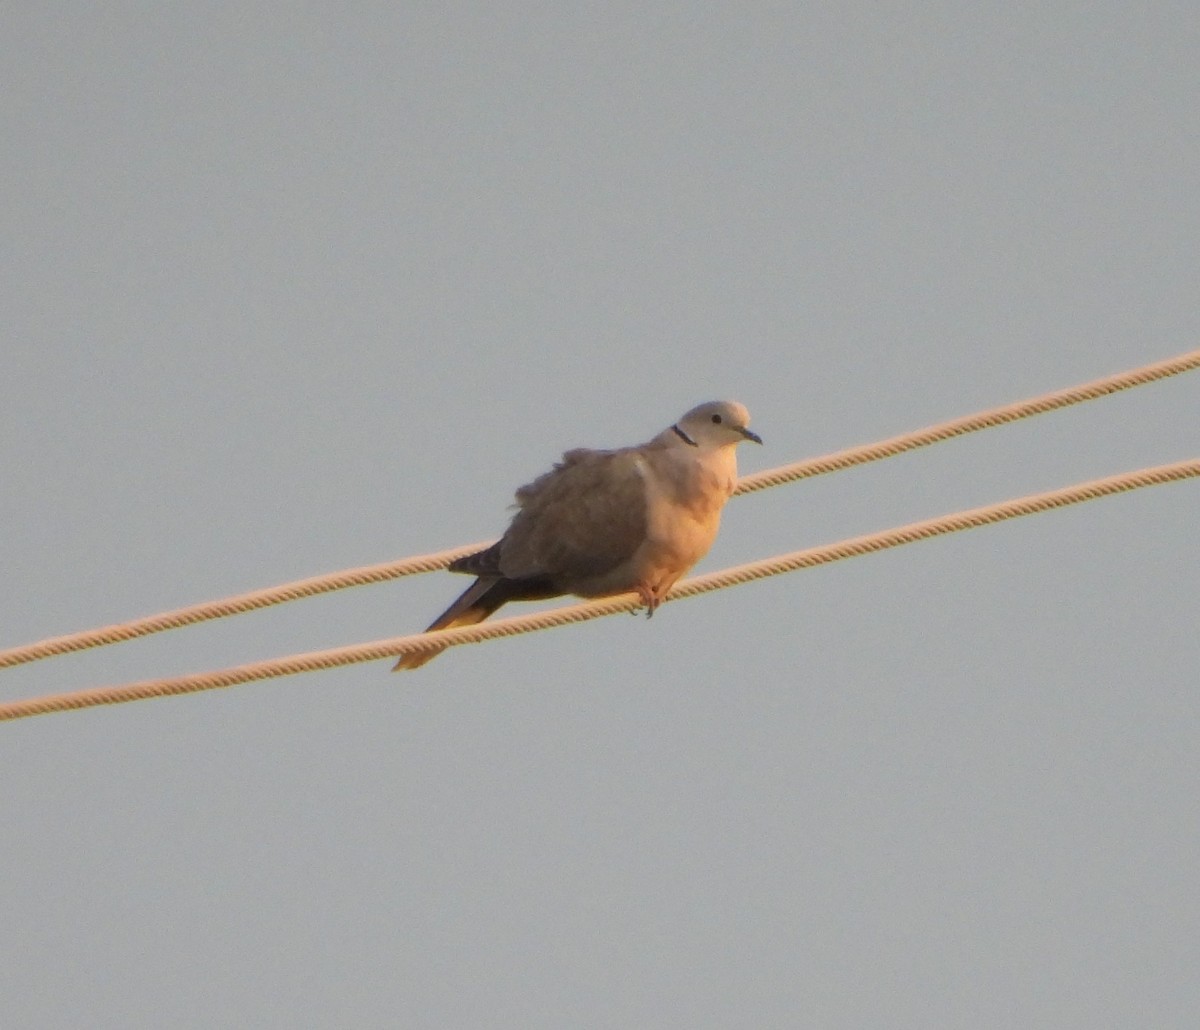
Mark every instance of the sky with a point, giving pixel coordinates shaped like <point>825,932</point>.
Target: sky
<point>288,290</point>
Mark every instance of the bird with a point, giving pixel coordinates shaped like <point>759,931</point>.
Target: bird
<point>604,522</point>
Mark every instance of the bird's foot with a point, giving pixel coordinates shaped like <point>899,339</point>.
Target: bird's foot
<point>650,598</point>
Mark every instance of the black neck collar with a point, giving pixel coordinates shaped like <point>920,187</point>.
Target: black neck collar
<point>684,437</point>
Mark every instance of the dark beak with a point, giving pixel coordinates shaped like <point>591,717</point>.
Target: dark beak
<point>749,435</point>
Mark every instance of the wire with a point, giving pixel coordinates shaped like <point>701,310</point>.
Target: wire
<point>970,423</point>
<point>235,605</point>
<point>439,560</point>
<point>425,642</point>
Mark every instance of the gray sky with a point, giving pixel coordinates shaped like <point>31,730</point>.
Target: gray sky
<point>286,291</point>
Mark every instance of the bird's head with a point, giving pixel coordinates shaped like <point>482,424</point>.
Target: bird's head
<point>715,424</point>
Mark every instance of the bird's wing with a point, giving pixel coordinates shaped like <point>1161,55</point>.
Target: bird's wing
<point>581,520</point>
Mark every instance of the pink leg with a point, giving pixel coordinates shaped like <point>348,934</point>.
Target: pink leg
<point>652,596</point>
<point>649,597</point>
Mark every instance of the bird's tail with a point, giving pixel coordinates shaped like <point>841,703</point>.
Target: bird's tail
<point>475,604</point>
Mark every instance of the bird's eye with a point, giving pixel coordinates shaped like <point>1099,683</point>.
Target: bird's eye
<point>716,419</point>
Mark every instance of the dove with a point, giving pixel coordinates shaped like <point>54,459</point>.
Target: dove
<point>605,522</point>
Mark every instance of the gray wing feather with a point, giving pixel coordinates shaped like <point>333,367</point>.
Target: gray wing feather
<point>583,518</point>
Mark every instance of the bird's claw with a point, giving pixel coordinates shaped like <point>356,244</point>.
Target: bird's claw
<point>649,598</point>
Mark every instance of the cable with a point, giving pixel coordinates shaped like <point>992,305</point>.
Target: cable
<point>440,559</point>
<point>235,605</point>
<point>423,642</point>
<point>970,423</point>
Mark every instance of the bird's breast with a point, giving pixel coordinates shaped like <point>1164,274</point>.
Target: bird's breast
<point>683,506</point>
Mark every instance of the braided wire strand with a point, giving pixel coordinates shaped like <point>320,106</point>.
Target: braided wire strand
<point>237,605</point>
<point>969,424</point>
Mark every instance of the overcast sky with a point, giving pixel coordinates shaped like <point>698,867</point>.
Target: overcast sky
<point>287,290</point>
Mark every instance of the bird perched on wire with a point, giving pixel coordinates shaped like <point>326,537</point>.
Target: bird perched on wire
<point>609,522</point>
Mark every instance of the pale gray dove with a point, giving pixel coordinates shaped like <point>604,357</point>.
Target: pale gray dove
<point>609,522</point>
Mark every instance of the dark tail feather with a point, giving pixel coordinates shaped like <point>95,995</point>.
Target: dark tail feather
<point>481,599</point>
